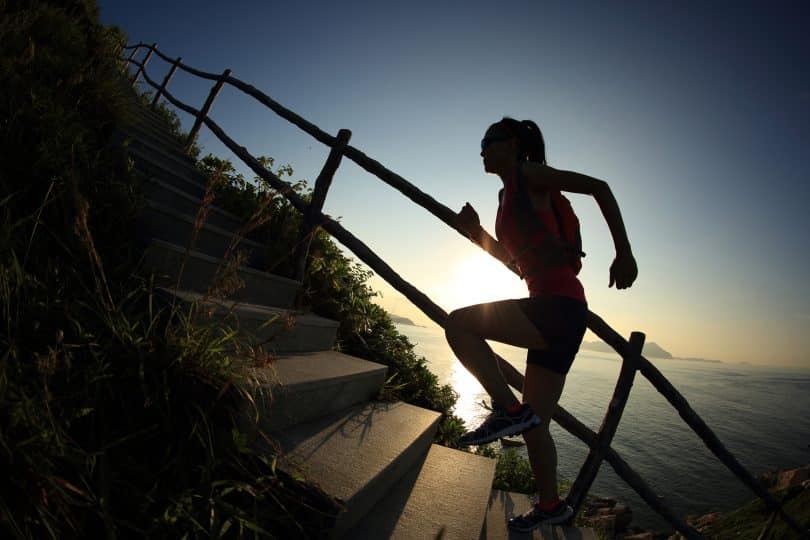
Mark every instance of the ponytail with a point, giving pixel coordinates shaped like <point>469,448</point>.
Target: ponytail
<point>534,143</point>
<point>531,146</point>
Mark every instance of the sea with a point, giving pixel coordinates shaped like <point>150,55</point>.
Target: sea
<point>761,415</point>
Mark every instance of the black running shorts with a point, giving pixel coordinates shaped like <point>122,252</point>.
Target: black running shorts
<point>561,321</point>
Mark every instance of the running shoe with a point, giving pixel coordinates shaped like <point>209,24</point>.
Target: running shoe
<point>500,423</point>
<point>535,517</point>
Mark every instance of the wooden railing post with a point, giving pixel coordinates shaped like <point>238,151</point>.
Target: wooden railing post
<point>192,135</point>
<point>142,67</point>
<point>322,184</point>
<point>166,80</point>
<point>130,57</point>
<point>587,474</point>
<point>579,430</point>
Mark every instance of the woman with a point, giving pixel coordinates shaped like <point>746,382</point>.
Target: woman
<point>549,323</point>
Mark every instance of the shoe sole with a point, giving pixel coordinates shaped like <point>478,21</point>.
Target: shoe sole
<point>514,429</point>
<point>556,520</point>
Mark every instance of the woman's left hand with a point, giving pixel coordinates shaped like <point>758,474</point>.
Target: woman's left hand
<point>623,271</point>
<point>467,220</point>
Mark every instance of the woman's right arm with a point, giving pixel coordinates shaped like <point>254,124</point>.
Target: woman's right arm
<point>623,271</point>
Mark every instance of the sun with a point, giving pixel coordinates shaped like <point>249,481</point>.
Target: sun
<point>480,278</point>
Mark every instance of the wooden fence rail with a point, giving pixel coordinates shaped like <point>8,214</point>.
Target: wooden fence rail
<point>587,474</point>
<point>633,361</point>
<point>142,65</point>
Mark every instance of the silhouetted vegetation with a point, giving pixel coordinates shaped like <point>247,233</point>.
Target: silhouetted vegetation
<point>119,416</point>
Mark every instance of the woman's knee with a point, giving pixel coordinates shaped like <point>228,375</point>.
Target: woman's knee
<point>539,434</point>
<point>455,325</point>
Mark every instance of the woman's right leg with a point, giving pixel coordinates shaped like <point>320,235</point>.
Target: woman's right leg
<point>467,329</point>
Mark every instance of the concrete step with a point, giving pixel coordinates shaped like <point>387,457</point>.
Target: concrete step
<point>137,111</point>
<point>445,496</point>
<point>190,181</point>
<point>305,387</point>
<point>171,196</point>
<point>165,223</point>
<point>160,154</point>
<point>165,259</point>
<point>358,455</point>
<point>155,117</point>
<point>143,129</point>
<point>503,505</point>
<point>280,330</point>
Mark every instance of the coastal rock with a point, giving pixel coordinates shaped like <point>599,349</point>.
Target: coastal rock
<point>604,525</point>
<point>781,480</point>
<point>701,523</point>
<point>624,516</point>
<point>640,536</point>
<point>594,504</point>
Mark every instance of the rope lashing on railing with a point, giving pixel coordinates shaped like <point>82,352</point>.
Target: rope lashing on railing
<point>515,379</point>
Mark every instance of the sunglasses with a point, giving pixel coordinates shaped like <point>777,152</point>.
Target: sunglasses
<point>486,141</point>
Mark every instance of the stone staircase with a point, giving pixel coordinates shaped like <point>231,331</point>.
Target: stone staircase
<point>377,457</point>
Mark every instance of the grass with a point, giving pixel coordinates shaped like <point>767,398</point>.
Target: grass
<point>748,521</point>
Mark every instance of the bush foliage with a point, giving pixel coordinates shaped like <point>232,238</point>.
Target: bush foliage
<point>335,287</point>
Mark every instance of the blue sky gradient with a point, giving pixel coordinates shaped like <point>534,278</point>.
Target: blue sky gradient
<point>696,113</point>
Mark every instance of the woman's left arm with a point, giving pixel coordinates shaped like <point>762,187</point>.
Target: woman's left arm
<point>623,271</point>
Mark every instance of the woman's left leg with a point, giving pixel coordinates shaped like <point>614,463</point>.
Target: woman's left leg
<point>542,389</point>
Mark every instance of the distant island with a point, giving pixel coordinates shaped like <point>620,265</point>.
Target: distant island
<point>691,359</point>
<point>651,349</point>
<point>397,319</point>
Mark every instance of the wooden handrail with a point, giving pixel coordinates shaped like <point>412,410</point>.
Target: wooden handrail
<point>142,65</point>
<point>435,313</point>
<point>131,56</point>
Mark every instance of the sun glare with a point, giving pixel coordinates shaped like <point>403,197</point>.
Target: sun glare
<point>480,278</point>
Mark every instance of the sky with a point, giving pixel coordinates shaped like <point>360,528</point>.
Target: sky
<point>695,113</point>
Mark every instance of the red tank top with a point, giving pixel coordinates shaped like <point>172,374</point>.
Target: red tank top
<point>540,279</point>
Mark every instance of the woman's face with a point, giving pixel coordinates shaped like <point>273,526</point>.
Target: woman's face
<point>498,147</point>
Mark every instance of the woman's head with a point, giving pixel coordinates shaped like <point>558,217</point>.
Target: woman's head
<point>512,139</point>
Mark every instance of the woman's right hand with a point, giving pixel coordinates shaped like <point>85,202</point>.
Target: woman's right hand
<point>467,220</point>
<point>623,271</point>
